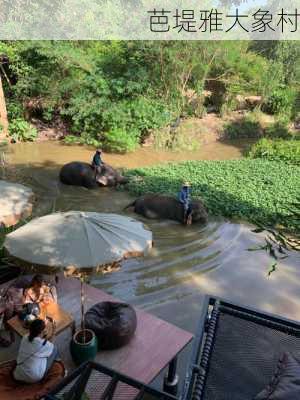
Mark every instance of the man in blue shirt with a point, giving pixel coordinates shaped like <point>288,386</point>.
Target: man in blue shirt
<point>97,162</point>
<point>184,197</point>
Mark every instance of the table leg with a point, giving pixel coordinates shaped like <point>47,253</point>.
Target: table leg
<point>171,379</point>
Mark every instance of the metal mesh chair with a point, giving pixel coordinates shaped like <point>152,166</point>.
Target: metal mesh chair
<point>236,351</point>
<point>93,381</point>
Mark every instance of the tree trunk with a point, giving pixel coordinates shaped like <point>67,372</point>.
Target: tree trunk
<point>3,114</point>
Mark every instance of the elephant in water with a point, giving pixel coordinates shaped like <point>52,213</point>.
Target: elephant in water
<point>166,207</point>
<point>82,174</point>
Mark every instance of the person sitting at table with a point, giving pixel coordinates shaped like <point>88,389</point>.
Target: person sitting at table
<point>36,354</point>
<point>39,292</point>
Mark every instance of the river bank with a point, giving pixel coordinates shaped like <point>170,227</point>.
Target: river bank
<point>57,153</point>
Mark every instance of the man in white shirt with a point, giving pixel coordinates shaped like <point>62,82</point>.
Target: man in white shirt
<point>36,354</point>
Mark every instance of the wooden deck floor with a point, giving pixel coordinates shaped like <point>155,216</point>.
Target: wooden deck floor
<point>154,345</point>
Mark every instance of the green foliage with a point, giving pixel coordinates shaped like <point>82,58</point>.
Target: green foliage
<point>14,110</point>
<point>118,141</point>
<point>141,86</point>
<point>83,139</point>
<point>175,140</point>
<point>246,127</point>
<point>21,131</point>
<point>277,150</point>
<point>280,101</point>
<point>252,190</point>
<point>279,130</point>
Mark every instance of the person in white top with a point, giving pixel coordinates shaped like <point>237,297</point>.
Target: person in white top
<point>36,354</point>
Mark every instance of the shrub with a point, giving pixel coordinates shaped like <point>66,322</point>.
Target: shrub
<point>278,129</point>
<point>14,110</point>
<point>280,101</point>
<point>175,140</point>
<point>119,141</point>
<point>83,139</point>
<point>247,127</point>
<point>277,150</point>
<point>21,131</point>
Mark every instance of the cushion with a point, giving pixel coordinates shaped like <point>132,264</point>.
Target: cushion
<point>11,389</point>
<point>285,383</point>
<point>113,323</point>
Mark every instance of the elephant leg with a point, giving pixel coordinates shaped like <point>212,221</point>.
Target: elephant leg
<point>88,183</point>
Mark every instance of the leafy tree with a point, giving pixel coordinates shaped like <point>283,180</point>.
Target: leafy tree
<point>135,87</point>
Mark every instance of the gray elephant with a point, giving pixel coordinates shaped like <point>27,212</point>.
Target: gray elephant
<point>167,207</point>
<point>82,174</point>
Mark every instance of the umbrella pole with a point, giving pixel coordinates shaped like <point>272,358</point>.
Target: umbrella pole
<point>82,307</point>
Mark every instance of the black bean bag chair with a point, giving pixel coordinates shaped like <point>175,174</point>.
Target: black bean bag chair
<point>113,323</point>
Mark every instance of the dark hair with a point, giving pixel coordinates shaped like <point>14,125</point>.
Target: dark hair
<point>36,328</point>
<point>37,280</point>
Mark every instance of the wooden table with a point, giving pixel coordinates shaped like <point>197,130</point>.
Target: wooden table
<point>155,345</point>
<point>62,319</point>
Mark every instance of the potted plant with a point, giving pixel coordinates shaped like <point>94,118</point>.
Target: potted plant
<point>84,344</point>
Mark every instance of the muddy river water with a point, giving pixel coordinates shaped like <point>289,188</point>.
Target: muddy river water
<point>185,263</point>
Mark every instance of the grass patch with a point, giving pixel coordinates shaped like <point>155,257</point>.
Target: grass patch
<point>251,190</point>
<point>246,127</point>
<point>180,139</point>
<point>277,150</point>
<point>278,130</point>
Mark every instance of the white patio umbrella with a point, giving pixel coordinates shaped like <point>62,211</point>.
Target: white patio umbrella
<point>16,202</point>
<point>78,242</point>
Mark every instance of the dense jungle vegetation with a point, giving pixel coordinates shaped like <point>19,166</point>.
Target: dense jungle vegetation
<point>113,94</point>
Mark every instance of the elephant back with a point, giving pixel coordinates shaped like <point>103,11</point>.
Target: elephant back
<point>78,174</point>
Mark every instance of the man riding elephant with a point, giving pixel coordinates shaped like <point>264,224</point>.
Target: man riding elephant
<point>184,196</point>
<point>97,163</point>
<point>79,173</point>
<point>156,206</point>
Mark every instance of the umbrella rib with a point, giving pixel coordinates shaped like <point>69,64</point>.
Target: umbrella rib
<point>122,237</point>
<point>107,241</point>
<point>100,233</point>
<point>115,229</point>
<point>119,228</point>
<point>103,237</point>
<point>88,239</point>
